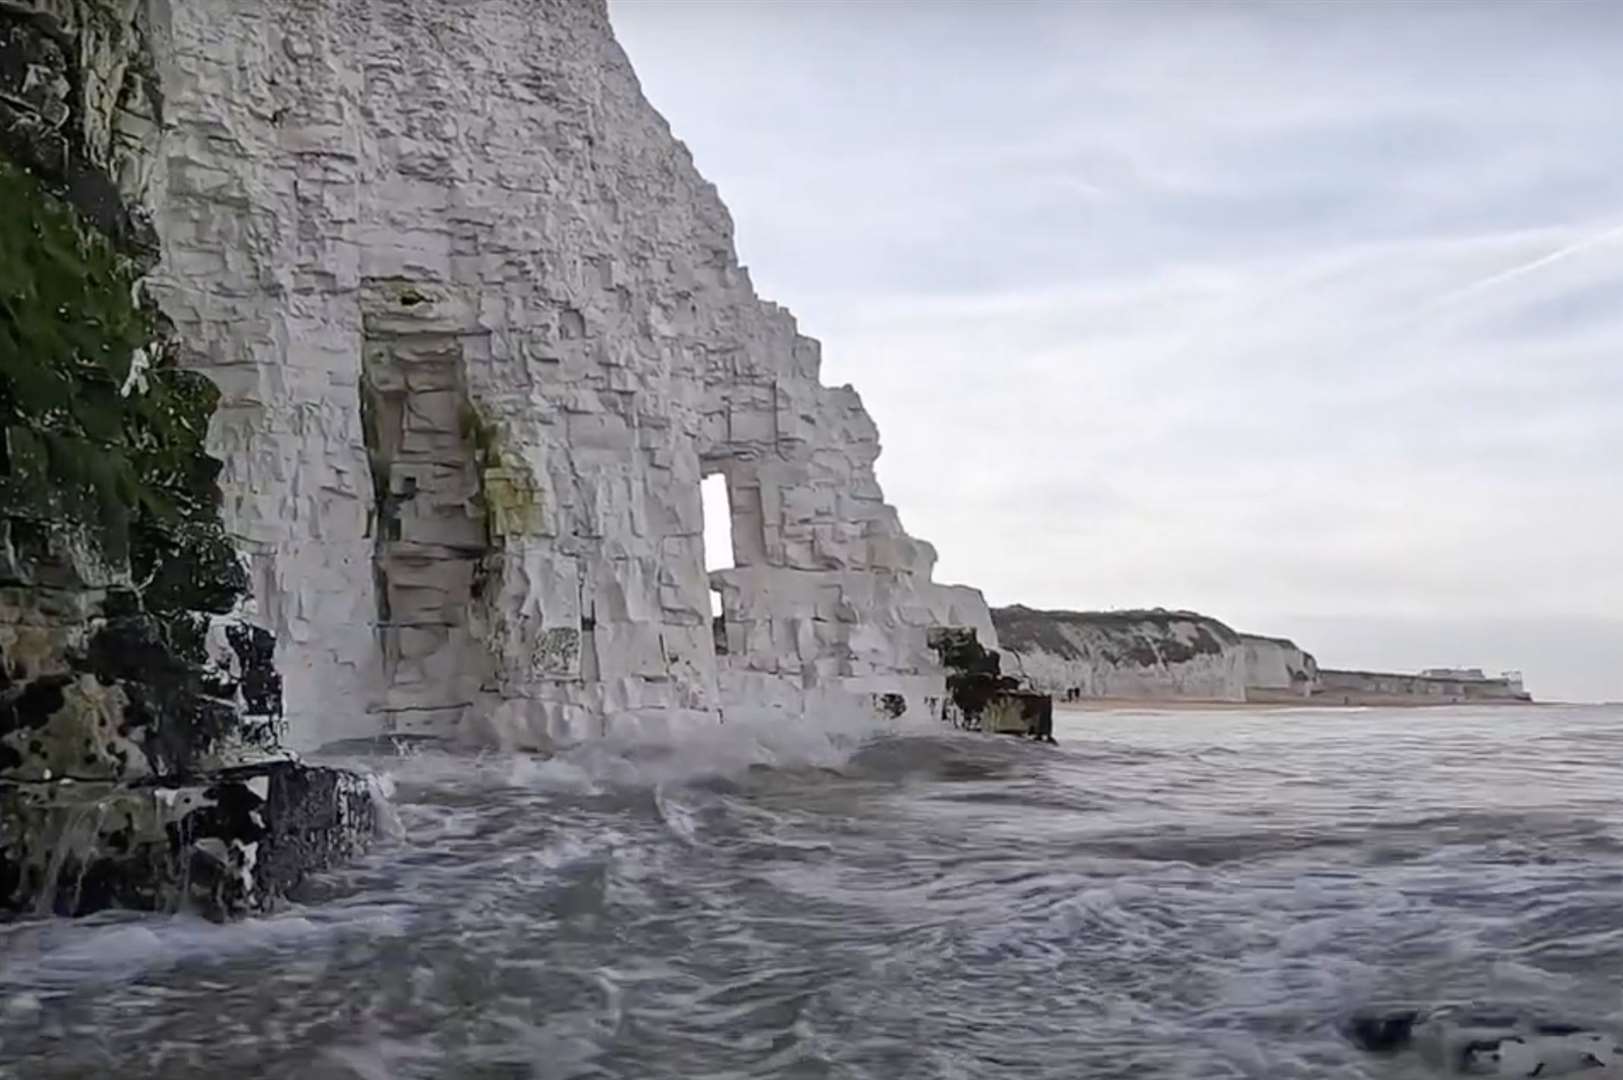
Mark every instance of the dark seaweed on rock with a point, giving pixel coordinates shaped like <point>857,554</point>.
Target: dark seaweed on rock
<point>974,672</point>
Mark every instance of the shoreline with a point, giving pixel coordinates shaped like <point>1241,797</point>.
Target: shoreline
<point>1197,705</point>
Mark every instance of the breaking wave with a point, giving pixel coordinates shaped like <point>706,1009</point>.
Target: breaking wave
<point>1163,895</point>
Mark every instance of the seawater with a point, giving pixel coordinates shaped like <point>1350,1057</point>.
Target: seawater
<point>1197,894</point>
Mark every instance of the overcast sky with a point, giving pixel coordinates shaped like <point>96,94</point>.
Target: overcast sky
<point>1309,316</point>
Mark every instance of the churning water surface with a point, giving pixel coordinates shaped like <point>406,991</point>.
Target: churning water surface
<point>1184,894</point>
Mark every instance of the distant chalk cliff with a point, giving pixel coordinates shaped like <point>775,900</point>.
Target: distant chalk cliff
<point>1157,654</point>
<point>1162,655</point>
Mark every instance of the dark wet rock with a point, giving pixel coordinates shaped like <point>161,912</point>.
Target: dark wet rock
<point>260,682</point>
<point>123,704</point>
<point>981,697</point>
<point>82,143</point>
<point>1469,1040</point>
<point>226,844</point>
<point>974,675</point>
<point>1381,1032</point>
<point>133,776</point>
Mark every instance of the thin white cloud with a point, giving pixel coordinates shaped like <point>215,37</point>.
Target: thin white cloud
<point>1599,238</point>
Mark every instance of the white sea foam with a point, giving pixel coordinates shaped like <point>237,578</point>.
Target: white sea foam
<point>58,954</point>
<point>1130,903</point>
<point>647,758</point>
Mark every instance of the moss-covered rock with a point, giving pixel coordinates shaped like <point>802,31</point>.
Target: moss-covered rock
<point>974,672</point>
<point>981,697</point>
<point>140,762</point>
<point>80,108</point>
<point>99,429</point>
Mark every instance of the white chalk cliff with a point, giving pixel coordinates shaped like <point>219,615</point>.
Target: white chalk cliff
<point>1277,669</point>
<point>1149,656</point>
<point>480,330</point>
<point>1124,654</point>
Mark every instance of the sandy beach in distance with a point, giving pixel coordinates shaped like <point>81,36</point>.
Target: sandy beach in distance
<point>1191,705</point>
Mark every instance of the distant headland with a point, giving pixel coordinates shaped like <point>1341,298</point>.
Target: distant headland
<point>1168,655</point>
